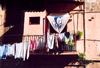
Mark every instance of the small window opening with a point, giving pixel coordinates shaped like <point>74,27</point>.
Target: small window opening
<point>34,20</point>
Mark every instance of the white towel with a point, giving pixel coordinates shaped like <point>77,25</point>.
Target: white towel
<point>26,49</point>
<point>19,50</point>
<point>50,41</point>
<point>11,50</point>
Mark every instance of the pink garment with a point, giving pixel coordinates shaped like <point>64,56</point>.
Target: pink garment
<point>33,45</point>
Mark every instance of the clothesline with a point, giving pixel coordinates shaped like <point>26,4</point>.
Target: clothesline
<point>19,50</point>
<point>55,43</point>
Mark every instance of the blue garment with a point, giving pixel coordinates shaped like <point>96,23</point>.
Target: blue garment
<point>56,23</point>
<point>3,51</point>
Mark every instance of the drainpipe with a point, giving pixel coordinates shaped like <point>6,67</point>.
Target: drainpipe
<point>74,31</point>
<point>84,27</point>
<point>46,30</point>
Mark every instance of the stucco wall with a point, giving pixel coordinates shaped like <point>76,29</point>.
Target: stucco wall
<point>2,20</point>
<point>92,5</point>
<point>92,36</point>
<point>92,17</point>
<point>35,29</point>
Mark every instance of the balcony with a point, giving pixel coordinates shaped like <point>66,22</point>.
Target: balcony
<point>67,49</point>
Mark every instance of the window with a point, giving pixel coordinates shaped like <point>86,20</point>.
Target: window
<point>34,20</point>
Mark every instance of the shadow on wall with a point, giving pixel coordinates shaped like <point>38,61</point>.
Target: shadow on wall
<point>13,27</point>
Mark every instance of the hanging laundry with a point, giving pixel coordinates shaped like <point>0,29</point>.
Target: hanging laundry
<point>58,21</point>
<point>3,51</point>
<point>19,50</point>
<point>33,45</point>
<point>67,35</point>
<point>56,40</point>
<point>66,40</point>
<point>26,50</point>
<point>61,36</point>
<point>38,43</point>
<point>11,50</point>
<point>42,42</point>
<point>70,39</point>
<point>50,41</point>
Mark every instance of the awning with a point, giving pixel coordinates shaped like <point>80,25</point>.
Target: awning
<point>58,21</point>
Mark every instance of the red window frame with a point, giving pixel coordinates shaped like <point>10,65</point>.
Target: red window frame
<point>34,23</point>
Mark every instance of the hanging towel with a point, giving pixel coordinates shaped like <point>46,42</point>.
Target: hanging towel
<point>58,21</point>
<point>50,41</point>
<point>61,36</point>
<point>42,42</point>
<point>38,43</point>
<point>19,50</point>
<point>3,51</point>
<point>33,45</point>
<point>26,50</point>
<point>11,50</point>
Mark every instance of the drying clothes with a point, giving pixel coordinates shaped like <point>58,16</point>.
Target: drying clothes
<point>26,49</point>
<point>50,41</point>
<point>56,40</point>
<point>42,42</point>
<point>70,39</point>
<point>38,43</point>
<point>11,50</point>
<point>3,51</point>
<point>58,22</point>
<point>66,40</point>
<point>61,37</point>
<point>19,50</point>
<point>33,45</point>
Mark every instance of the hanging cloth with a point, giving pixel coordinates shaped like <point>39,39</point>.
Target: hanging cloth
<point>19,50</point>
<point>33,45</point>
<point>26,50</point>
<point>11,50</point>
<point>61,36</point>
<point>58,22</point>
<point>50,41</point>
<point>3,51</point>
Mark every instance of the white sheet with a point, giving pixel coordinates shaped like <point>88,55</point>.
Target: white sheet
<point>58,22</point>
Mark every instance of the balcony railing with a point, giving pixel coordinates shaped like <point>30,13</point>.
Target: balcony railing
<point>64,48</point>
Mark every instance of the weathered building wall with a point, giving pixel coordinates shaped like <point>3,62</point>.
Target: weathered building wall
<point>92,36</point>
<point>92,17</point>
<point>34,29</point>
<point>92,5</point>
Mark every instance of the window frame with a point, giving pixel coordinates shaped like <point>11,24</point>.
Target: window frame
<point>34,23</point>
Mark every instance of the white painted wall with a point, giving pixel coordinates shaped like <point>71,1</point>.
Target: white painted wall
<point>36,29</point>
